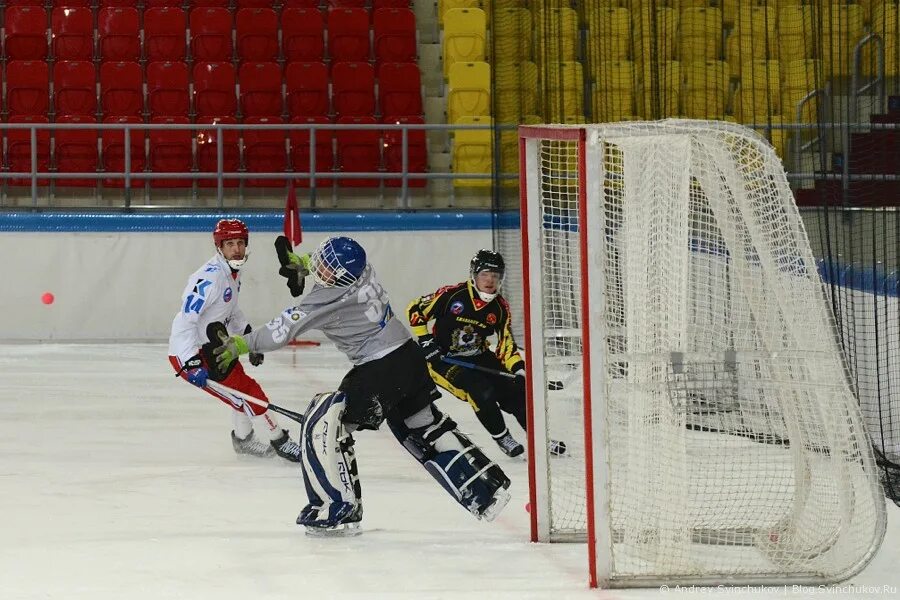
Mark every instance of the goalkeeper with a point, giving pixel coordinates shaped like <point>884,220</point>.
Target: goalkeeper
<point>465,315</point>
<point>388,382</point>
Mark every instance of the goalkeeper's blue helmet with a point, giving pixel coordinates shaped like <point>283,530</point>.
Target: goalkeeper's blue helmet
<point>338,262</point>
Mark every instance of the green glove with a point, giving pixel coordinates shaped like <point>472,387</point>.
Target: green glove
<point>294,267</point>
<point>231,348</point>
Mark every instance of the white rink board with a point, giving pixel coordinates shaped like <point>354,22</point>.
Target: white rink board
<point>118,481</point>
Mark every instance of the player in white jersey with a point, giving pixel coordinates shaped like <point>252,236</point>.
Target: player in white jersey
<point>211,296</point>
<point>388,381</point>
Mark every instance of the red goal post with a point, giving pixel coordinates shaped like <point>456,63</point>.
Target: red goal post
<point>712,431</point>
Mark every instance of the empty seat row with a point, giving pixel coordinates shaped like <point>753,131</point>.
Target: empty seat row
<point>236,4</point>
<point>169,33</point>
<point>217,89</point>
<point>182,150</point>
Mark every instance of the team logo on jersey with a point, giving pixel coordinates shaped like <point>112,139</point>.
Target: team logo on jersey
<point>227,296</point>
<point>456,308</point>
<point>491,318</point>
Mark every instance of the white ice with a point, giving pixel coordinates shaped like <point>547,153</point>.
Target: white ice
<point>118,481</point>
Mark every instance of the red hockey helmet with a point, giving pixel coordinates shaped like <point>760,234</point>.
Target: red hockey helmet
<point>230,229</point>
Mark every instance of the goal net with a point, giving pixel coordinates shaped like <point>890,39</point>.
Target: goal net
<point>712,431</point>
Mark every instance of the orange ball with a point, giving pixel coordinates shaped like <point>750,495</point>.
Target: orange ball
<point>47,298</point>
<point>528,507</point>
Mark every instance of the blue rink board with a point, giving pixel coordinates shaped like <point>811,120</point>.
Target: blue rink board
<point>118,222</point>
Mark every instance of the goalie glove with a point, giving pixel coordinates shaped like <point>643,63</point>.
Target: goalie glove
<point>430,349</point>
<point>256,358</point>
<point>294,267</point>
<point>222,350</point>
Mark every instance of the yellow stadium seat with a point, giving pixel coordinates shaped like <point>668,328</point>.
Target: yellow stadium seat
<point>613,91</point>
<point>795,33</point>
<point>776,137</point>
<point>509,150</point>
<point>609,34</point>
<point>659,89</point>
<point>760,91</point>
<point>798,79</point>
<point>465,31</point>
<point>705,89</point>
<point>516,90</point>
<point>556,32</point>
<point>469,91</point>
<point>646,46</point>
<point>473,152</point>
<point>757,26</point>
<point>505,4</point>
<point>700,34</point>
<point>885,24</point>
<point>739,50</point>
<point>445,5</point>
<point>563,84</point>
<point>840,39</point>
<point>512,34</point>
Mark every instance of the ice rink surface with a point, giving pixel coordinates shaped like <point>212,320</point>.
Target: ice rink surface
<point>118,482</point>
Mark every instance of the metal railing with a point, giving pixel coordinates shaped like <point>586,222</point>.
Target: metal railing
<point>220,175</point>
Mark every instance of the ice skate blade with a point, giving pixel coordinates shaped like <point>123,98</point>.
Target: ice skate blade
<point>501,499</point>
<point>342,530</point>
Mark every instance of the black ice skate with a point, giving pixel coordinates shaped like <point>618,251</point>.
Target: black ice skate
<point>286,448</point>
<point>558,448</point>
<point>251,446</point>
<point>509,445</point>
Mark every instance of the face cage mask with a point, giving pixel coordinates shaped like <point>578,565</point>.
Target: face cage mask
<point>486,297</point>
<point>324,261</point>
<point>235,264</point>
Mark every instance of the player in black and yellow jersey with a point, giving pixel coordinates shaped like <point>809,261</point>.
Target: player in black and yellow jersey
<point>465,315</point>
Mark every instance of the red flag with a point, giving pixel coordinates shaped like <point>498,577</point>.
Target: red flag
<point>292,230</point>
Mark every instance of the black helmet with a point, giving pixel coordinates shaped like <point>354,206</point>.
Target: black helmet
<point>487,260</point>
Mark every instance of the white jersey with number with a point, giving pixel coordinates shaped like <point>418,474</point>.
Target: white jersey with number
<point>211,295</point>
<point>357,318</point>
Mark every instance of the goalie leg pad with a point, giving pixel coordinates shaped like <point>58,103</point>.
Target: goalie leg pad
<point>456,463</point>
<point>330,474</point>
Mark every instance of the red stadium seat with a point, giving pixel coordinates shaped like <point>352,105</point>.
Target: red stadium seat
<point>307,89</point>
<point>26,33</point>
<point>76,151</point>
<point>164,34</point>
<point>112,3</point>
<point>211,34</point>
<point>376,4</point>
<point>417,151</point>
<point>399,90</point>
<point>395,35</point>
<point>264,151</point>
<point>74,88</point>
<point>209,3</point>
<point>348,3</point>
<point>260,84</point>
<point>324,150</point>
<point>257,34</point>
<point>18,149</point>
<point>358,151</point>
<point>207,151</point>
<point>55,3</point>
<point>301,4</point>
<point>119,32</point>
<point>167,89</point>
<point>162,3</point>
<point>302,34</point>
<point>348,34</point>
<point>353,89</point>
<point>112,142</point>
<point>121,89</point>
<point>214,93</point>
<point>72,32</point>
<point>170,152</point>
<point>27,88</point>
<point>256,4</point>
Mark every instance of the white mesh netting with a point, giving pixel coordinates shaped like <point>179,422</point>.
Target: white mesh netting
<point>735,446</point>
